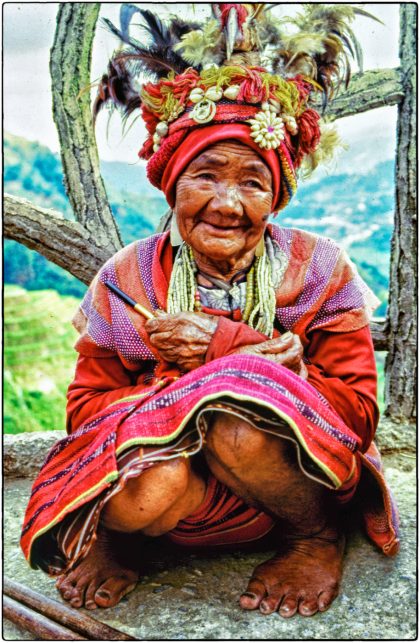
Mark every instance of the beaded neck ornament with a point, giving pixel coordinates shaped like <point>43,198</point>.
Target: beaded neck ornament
<point>260,304</point>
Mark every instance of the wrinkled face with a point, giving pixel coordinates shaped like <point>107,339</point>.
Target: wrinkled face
<point>223,200</point>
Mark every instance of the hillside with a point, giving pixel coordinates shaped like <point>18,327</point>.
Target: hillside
<point>354,209</point>
<point>38,358</point>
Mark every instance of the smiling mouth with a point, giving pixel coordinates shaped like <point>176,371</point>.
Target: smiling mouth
<point>222,228</point>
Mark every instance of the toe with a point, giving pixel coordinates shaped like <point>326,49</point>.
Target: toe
<point>90,603</point>
<point>112,591</point>
<point>289,606</point>
<point>326,598</point>
<point>308,606</point>
<point>271,603</point>
<point>78,595</point>
<point>253,595</point>
<point>65,588</point>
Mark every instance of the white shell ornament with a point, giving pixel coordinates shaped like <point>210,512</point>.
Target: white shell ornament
<point>231,93</point>
<point>204,111</point>
<point>196,95</point>
<point>290,123</point>
<point>162,128</point>
<point>267,130</point>
<point>214,94</point>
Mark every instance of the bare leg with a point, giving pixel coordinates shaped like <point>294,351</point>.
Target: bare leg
<point>151,504</point>
<point>263,470</point>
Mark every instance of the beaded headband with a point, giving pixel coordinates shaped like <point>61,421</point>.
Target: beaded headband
<point>241,66</point>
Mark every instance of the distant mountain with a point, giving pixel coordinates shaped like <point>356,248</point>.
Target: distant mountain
<point>354,209</point>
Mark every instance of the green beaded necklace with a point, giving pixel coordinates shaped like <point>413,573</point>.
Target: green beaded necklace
<point>260,302</point>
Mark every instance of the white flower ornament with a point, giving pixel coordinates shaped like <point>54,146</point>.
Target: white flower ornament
<point>267,129</point>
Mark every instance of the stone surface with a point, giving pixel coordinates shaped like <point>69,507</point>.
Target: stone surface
<point>187,596</point>
<point>392,436</point>
<point>24,453</point>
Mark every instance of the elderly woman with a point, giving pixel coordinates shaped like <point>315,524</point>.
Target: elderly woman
<point>244,411</point>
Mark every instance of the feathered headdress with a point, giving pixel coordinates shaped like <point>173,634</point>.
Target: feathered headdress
<point>242,65</point>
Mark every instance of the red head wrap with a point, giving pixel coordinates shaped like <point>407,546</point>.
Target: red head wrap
<point>200,139</point>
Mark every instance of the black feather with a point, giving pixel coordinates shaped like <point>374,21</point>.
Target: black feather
<point>116,89</point>
<point>179,27</point>
<point>156,58</point>
<point>158,31</point>
<point>122,35</point>
<point>153,61</point>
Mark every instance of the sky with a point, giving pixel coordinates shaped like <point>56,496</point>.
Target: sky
<point>28,32</point>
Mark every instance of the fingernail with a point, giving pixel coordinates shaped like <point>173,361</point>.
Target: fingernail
<point>249,595</point>
<point>286,336</point>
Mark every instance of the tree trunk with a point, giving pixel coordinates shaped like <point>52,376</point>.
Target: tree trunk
<point>401,364</point>
<point>65,243</point>
<point>70,73</point>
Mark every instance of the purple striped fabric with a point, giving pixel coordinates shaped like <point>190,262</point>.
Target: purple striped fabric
<point>145,252</point>
<point>126,337</point>
<point>97,327</point>
<point>317,278</point>
<point>346,299</point>
<point>284,237</point>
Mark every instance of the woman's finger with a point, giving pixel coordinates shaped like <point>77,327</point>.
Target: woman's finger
<point>161,339</point>
<point>279,344</point>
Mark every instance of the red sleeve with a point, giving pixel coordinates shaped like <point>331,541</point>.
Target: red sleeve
<point>342,368</point>
<point>97,383</point>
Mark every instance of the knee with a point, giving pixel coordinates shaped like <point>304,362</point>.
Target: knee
<point>148,496</point>
<point>232,440</point>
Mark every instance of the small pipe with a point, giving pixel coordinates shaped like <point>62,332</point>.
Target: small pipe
<point>128,300</point>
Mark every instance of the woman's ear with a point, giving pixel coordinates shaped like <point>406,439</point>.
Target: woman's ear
<point>175,235</point>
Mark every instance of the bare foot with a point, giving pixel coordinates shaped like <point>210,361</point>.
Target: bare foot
<point>99,580</point>
<point>305,578</point>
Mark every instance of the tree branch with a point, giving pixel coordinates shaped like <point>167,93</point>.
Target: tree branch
<point>65,243</point>
<point>70,73</point>
<point>367,91</point>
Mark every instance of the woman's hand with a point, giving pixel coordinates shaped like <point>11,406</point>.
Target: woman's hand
<point>182,339</point>
<point>286,350</point>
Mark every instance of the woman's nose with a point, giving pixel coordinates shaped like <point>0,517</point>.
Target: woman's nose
<point>227,201</point>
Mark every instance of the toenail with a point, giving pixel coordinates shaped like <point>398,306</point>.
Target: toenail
<point>67,595</point>
<point>102,593</point>
<point>91,605</point>
<point>264,607</point>
<point>250,595</point>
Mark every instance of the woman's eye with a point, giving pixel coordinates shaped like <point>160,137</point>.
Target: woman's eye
<point>206,176</point>
<point>253,184</point>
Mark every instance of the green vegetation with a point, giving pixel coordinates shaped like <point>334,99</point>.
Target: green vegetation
<point>38,358</point>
